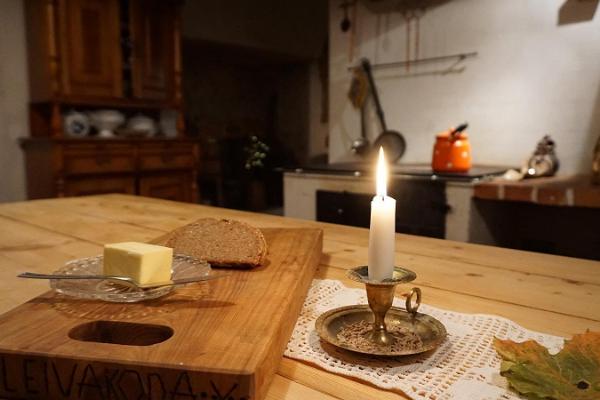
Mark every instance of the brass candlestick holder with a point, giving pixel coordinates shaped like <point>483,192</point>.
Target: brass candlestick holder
<point>380,295</point>
<point>380,329</point>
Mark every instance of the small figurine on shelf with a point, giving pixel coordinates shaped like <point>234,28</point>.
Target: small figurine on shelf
<point>543,162</point>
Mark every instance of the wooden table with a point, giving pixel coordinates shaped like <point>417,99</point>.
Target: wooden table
<point>552,294</point>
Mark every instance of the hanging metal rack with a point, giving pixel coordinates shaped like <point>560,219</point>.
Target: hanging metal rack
<point>459,57</point>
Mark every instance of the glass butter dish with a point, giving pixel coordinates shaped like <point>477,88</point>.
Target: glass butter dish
<point>183,267</point>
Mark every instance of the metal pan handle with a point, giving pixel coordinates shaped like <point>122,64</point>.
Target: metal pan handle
<point>367,68</point>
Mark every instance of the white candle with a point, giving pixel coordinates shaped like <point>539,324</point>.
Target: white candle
<point>383,226</point>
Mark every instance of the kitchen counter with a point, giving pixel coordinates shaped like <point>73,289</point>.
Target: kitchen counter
<point>426,195</point>
<point>553,294</point>
<point>423,171</point>
<point>302,188</point>
<point>573,191</point>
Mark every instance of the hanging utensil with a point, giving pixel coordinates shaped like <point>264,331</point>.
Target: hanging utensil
<point>392,141</point>
<point>359,90</point>
<point>596,163</point>
<point>345,24</point>
<point>352,38</point>
<point>361,145</point>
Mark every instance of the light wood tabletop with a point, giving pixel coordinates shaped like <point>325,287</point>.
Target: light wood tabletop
<point>552,294</point>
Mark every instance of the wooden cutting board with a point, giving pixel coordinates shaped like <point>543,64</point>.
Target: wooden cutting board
<point>216,340</point>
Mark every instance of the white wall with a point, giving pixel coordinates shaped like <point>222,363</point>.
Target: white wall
<point>532,76</point>
<point>14,94</point>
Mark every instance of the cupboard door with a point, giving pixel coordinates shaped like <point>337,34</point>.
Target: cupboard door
<point>90,48</point>
<point>175,186</point>
<point>153,37</point>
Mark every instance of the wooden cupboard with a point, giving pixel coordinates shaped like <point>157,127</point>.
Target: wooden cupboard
<point>75,167</point>
<point>88,44</point>
<point>105,54</point>
<point>153,63</point>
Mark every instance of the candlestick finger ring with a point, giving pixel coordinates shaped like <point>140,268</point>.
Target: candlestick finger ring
<point>409,307</point>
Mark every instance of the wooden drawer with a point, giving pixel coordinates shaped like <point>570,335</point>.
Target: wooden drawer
<point>99,185</point>
<point>169,146</point>
<point>98,158</point>
<point>166,160</point>
<point>175,186</point>
<point>100,147</point>
<point>166,155</point>
<point>72,167</point>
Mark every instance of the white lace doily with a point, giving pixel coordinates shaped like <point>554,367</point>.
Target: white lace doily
<point>465,366</point>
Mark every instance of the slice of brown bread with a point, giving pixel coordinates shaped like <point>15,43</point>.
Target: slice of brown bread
<point>224,243</point>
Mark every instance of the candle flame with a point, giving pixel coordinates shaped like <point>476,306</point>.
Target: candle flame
<point>381,175</point>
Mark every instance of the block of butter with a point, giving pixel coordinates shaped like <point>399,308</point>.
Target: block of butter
<point>145,263</point>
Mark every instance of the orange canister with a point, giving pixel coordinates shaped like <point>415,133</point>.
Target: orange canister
<point>452,152</point>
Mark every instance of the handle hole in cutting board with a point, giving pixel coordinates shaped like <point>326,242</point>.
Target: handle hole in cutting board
<point>126,333</point>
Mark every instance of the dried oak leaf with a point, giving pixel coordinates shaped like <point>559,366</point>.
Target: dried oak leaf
<point>571,374</point>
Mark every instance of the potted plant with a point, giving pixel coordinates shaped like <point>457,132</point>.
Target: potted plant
<point>256,155</point>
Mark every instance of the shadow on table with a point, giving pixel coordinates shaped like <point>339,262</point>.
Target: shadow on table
<point>182,298</point>
<point>350,357</point>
